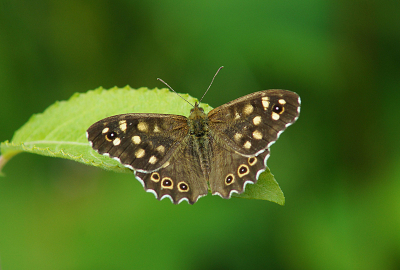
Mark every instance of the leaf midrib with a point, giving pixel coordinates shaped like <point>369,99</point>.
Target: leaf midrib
<point>55,142</point>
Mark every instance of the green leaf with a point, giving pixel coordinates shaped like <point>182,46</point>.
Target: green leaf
<point>266,188</point>
<point>60,130</point>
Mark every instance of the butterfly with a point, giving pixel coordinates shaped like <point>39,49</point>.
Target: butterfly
<point>183,157</point>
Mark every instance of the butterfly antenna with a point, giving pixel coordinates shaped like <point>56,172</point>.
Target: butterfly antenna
<point>175,91</point>
<point>211,83</point>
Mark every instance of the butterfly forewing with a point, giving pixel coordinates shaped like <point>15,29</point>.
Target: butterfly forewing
<point>142,142</point>
<point>252,123</point>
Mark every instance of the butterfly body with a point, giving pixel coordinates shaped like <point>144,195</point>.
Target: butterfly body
<point>201,139</point>
<point>181,158</point>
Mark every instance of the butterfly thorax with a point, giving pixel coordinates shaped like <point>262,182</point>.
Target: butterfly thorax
<point>198,122</point>
<point>199,132</point>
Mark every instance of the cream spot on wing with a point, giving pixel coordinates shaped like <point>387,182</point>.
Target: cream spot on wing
<point>237,115</point>
<point>248,109</point>
<point>143,127</point>
<point>257,135</point>
<point>160,149</point>
<point>238,136</point>
<point>139,153</point>
<point>257,120</point>
<point>153,160</point>
<point>265,102</point>
<point>275,116</point>
<point>122,125</point>
<point>166,164</point>
<point>247,145</point>
<point>136,140</point>
<point>117,141</point>
<point>105,130</point>
<point>282,101</point>
<point>156,129</point>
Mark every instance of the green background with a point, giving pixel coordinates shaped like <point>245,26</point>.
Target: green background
<point>339,165</point>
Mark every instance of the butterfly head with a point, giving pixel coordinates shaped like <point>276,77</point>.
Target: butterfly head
<point>197,112</point>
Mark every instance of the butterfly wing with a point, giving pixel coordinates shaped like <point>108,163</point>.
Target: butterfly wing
<point>252,123</point>
<point>157,148</point>
<point>246,128</point>
<point>234,171</point>
<point>142,142</point>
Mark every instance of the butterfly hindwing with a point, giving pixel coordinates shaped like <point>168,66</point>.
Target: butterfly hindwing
<point>180,178</point>
<point>234,171</point>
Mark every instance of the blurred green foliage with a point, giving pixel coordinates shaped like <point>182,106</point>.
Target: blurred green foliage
<point>339,165</point>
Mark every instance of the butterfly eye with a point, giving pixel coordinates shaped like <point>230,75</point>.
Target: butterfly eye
<point>167,183</point>
<point>183,187</point>
<point>252,161</point>
<point>229,179</point>
<point>155,176</point>
<point>277,108</point>
<point>243,170</point>
<point>111,136</point>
